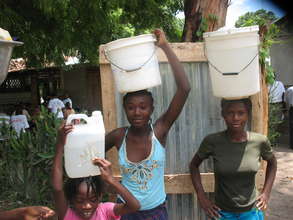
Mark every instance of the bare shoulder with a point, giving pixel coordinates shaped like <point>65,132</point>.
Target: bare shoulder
<point>114,138</point>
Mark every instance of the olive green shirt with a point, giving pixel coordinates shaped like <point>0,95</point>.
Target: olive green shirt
<point>235,167</point>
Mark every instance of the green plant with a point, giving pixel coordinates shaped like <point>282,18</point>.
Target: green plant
<point>275,115</point>
<point>264,51</point>
<point>26,162</point>
<point>204,24</point>
<point>202,27</point>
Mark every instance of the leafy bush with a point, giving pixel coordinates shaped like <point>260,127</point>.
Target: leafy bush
<point>26,161</point>
<point>275,120</point>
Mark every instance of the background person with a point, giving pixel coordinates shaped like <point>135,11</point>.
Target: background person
<point>67,99</point>
<point>68,110</point>
<point>56,106</point>
<point>19,121</point>
<point>237,155</point>
<point>276,97</point>
<point>24,111</point>
<point>289,103</point>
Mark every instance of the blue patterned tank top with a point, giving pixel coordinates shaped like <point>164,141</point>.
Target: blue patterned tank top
<point>145,179</point>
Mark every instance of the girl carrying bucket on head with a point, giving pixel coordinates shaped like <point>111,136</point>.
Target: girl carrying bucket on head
<point>81,197</point>
<point>237,154</point>
<point>141,146</point>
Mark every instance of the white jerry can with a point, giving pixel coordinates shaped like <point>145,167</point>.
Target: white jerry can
<point>84,143</point>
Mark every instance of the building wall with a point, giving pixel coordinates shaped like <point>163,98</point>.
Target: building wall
<point>8,100</point>
<point>83,86</point>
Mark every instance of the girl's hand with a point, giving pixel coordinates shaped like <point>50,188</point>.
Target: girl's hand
<point>105,168</point>
<point>262,201</point>
<point>62,133</point>
<point>161,37</point>
<point>37,212</point>
<point>210,208</point>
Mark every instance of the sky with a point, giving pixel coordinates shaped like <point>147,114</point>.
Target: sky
<point>240,7</point>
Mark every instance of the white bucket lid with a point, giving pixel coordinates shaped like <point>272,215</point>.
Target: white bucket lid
<point>231,31</point>
<point>10,43</point>
<point>129,41</point>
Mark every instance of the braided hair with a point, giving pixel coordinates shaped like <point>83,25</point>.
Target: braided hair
<point>246,101</point>
<point>138,93</point>
<point>93,183</point>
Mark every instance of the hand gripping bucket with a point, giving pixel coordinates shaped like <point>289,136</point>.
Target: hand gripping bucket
<point>233,61</point>
<point>6,48</point>
<point>134,63</point>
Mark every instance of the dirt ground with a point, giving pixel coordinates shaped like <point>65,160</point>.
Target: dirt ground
<point>281,200</point>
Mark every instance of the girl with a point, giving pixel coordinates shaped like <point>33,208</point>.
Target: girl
<point>141,146</point>
<point>236,154</point>
<point>80,199</point>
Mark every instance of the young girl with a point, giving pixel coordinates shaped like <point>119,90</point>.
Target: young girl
<point>236,154</point>
<point>142,145</point>
<point>80,198</point>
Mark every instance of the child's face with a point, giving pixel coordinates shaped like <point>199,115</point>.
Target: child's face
<point>138,110</point>
<point>85,203</point>
<point>235,116</point>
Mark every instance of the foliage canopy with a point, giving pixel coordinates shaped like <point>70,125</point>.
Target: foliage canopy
<point>52,29</point>
<point>259,17</point>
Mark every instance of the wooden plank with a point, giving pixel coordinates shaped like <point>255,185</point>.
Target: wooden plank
<point>181,183</point>
<point>186,52</point>
<point>109,110</point>
<point>108,97</point>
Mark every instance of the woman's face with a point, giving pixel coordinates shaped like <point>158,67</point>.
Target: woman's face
<point>138,109</point>
<point>235,116</point>
<point>85,203</point>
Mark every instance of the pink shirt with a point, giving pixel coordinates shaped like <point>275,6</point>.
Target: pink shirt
<point>105,211</point>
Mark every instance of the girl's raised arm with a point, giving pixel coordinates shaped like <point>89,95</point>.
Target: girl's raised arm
<point>57,172</point>
<point>166,120</point>
<point>131,204</point>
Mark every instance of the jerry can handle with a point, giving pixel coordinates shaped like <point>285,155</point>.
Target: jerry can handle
<point>77,116</point>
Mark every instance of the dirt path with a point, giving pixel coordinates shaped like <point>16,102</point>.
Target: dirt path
<point>281,201</point>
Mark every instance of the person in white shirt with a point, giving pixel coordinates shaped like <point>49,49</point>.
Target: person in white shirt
<point>19,121</point>
<point>4,121</point>
<point>276,92</point>
<point>289,104</point>
<point>56,106</point>
<point>67,99</point>
<point>24,111</point>
<point>276,97</point>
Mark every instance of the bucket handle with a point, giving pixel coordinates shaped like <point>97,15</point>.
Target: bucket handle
<point>131,70</point>
<point>230,73</point>
<point>76,116</point>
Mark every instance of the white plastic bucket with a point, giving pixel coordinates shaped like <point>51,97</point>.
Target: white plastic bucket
<point>6,48</point>
<point>84,143</point>
<point>233,61</point>
<point>134,63</point>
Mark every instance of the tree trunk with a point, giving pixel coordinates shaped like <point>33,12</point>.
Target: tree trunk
<point>202,16</point>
